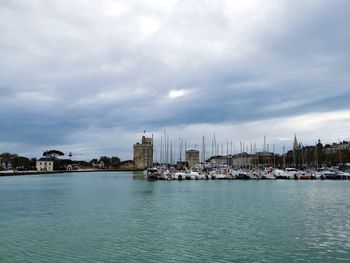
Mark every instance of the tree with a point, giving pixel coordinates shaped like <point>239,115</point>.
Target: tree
<point>106,160</point>
<point>93,161</point>
<point>53,154</point>
<point>115,161</point>
<point>32,163</point>
<point>6,159</point>
<point>61,164</point>
<point>20,162</point>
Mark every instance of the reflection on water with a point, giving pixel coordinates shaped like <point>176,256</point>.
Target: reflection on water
<point>138,175</point>
<point>119,217</point>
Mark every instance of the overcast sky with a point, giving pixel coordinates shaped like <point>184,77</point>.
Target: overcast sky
<point>88,77</point>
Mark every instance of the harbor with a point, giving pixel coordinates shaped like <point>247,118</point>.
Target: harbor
<point>302,162</point>
<point>226,173</point>
<point>115,217</point>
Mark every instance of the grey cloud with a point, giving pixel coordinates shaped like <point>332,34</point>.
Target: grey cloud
<point>66,67</point>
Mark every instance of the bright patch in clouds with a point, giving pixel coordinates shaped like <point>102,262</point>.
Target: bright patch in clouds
<point>173,94</point>
<point>148,26</point>
<point>113,8</point>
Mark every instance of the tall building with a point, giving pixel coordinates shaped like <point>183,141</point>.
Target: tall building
<point>295,144</point>
<point>192,157</point>
<point>143,153</point>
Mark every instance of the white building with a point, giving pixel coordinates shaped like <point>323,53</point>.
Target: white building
<point>44,165</point>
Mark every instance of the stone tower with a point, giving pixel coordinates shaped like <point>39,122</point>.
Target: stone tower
<point>143,153</point>
<point>192,157</point>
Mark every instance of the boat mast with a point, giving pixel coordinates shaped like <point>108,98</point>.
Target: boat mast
<point>316,156</point>
<point>171,153</point>
<point>227,153</point>
<point>305,157</point>
<point>161,150</point>
<point>203,150</point>
<point>268,159</point>
<point>180,149</point>
<point>340,159</point>
<point>215,145</point>
<point>302,156</point>
<point>212,147</point>
<point>264,152</point>
<point>274,156</point>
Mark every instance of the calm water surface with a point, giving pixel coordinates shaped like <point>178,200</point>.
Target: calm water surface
<point>115,217</point>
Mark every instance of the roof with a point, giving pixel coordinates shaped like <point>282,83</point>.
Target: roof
<point>45,159</point>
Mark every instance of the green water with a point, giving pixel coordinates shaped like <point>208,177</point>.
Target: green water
<point>115,217</point>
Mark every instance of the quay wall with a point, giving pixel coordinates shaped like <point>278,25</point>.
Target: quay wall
<point>19,173</point>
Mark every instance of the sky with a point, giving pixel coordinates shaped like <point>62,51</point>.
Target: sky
<point>89,77</point>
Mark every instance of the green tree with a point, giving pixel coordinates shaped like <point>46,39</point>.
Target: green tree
<point>61,164</point>
<point>20,162</point>
<point>106,160</point>
<point>115,161</point>
<point>6,159</point>
<point>32,163</point>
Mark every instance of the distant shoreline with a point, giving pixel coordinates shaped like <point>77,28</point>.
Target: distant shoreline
<point>20,173</point>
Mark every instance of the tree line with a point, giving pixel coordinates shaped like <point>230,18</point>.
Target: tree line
<point>16,162</point>
<point>22,163</point>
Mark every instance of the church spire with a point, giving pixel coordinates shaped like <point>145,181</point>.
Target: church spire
<point>295,148</point>
<point>295,144</point>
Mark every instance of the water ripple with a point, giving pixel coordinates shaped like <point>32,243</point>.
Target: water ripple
<point>95,218</point>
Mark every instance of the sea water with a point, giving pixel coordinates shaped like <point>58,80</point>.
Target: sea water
<point>118,217</point>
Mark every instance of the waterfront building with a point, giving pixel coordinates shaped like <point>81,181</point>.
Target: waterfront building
<point>143,153</point>
<point>98,165</point>
<point>244,160</point>
<point>336,147</point>
<point>181,165</point>
<point>221,160</point>
<point>44,165</point>
<point>344,146</point>
<point>192,157</point>
<point>264,158</point>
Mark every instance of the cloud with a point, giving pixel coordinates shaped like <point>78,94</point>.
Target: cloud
<point>73,72</point>
<point>173,94</point>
